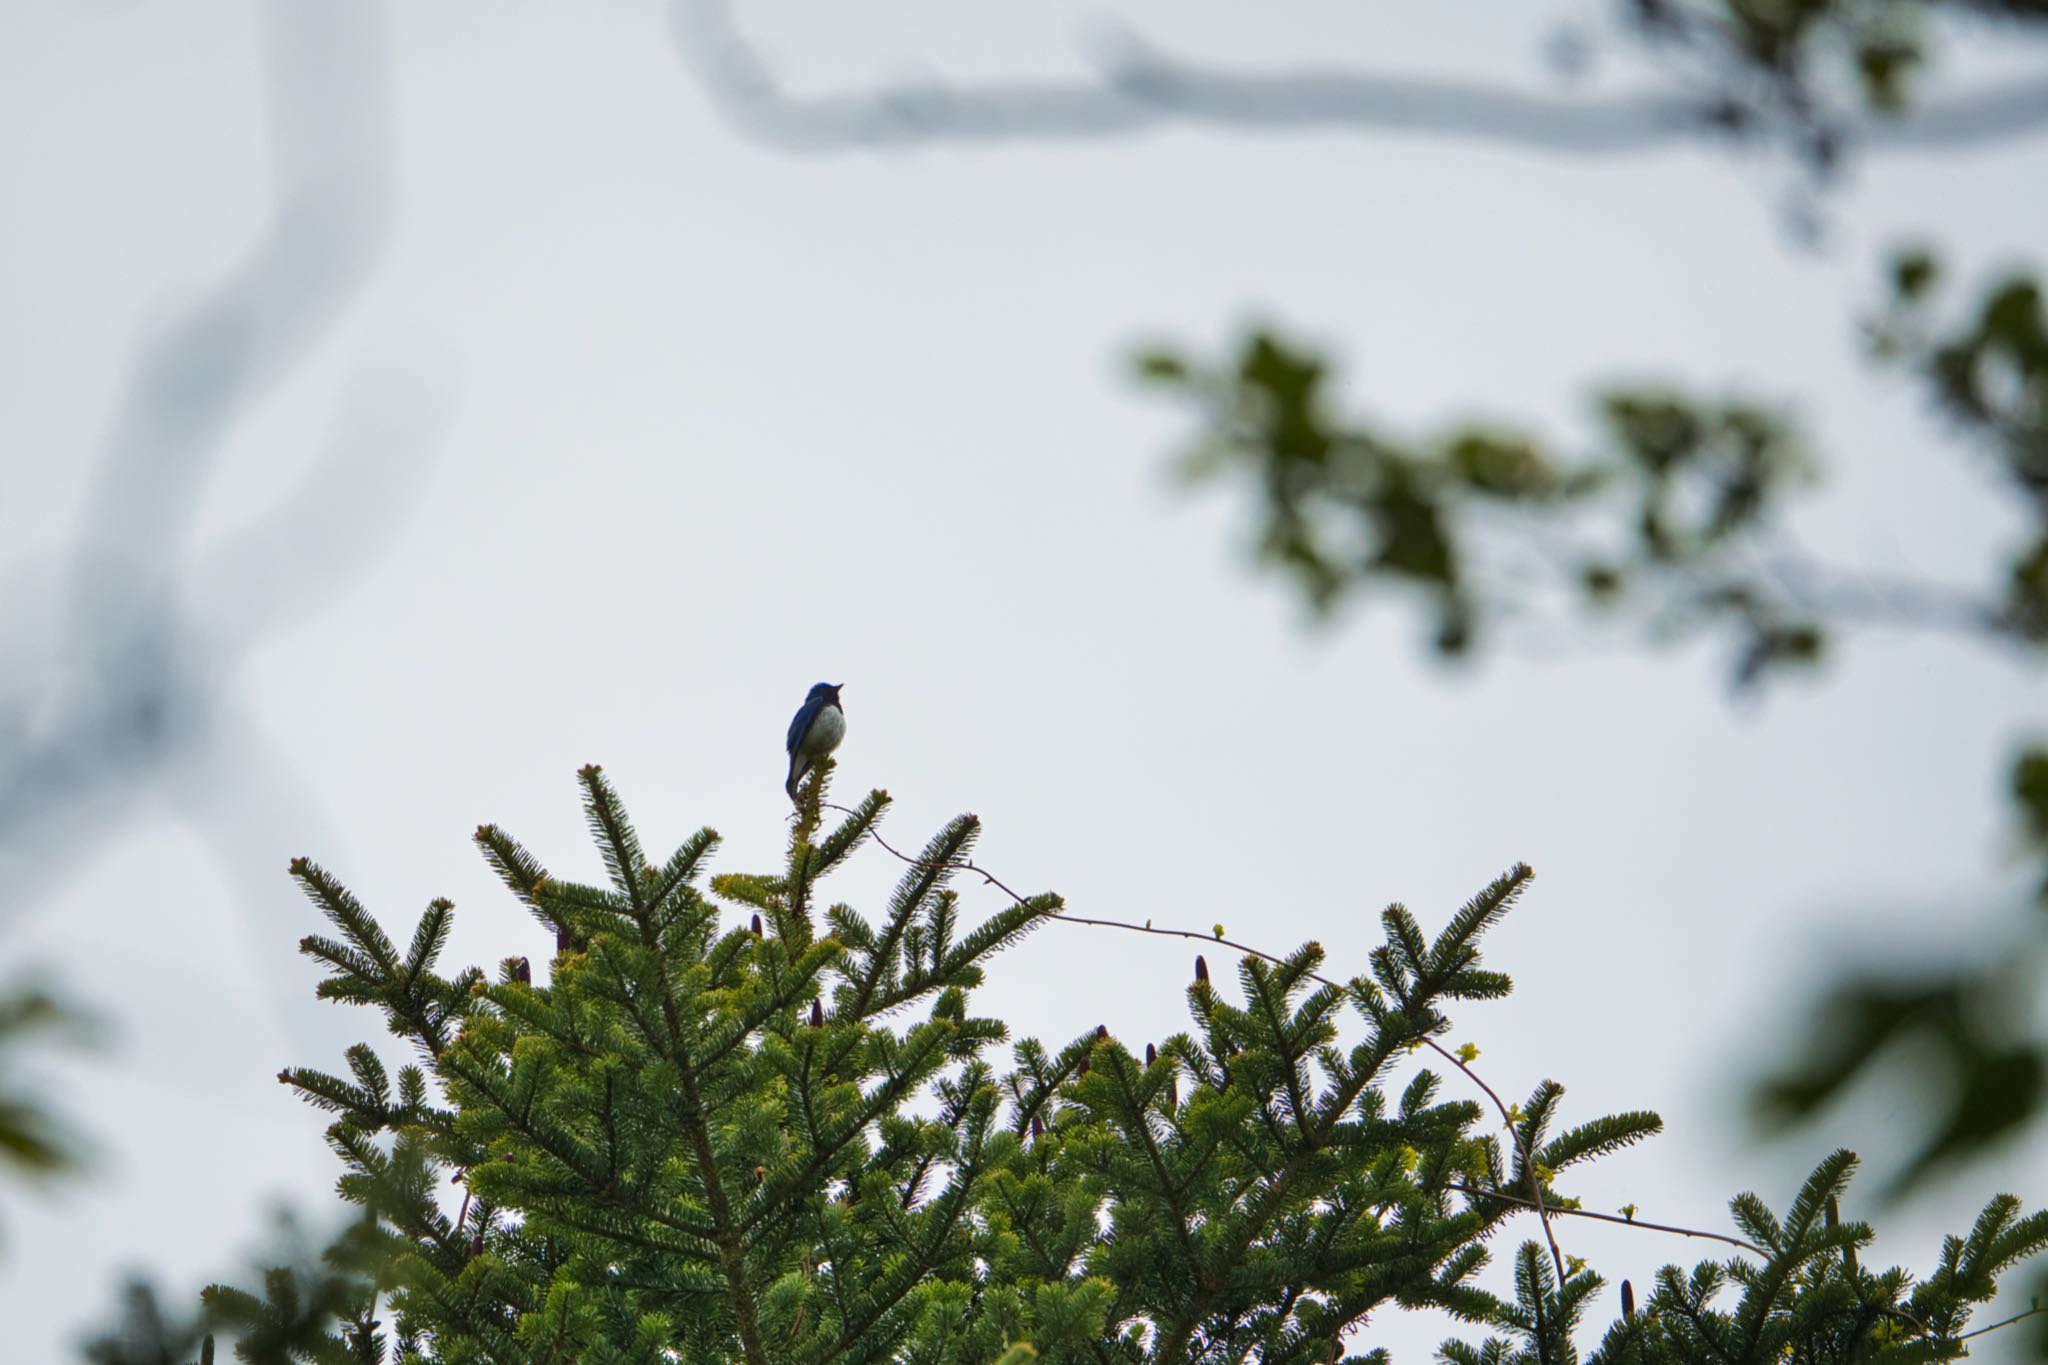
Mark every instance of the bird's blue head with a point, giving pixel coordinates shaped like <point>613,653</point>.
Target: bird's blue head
<point>825,692</point>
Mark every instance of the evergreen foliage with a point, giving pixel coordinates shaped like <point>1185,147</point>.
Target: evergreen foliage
<point>793,1141</point>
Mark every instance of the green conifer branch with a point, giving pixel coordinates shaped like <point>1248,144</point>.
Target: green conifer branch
<point>1135,1118</point>
<point>670,893</point>
<point>617,844</point>
<point>518,869</point>
<point>429,937</point>
<point>840,844</point>
<point>1454,950</point>
<point>910,897</point>
<point>347,914</point>
<point>791,987</point>
<point>1599,1137</point>
<point>393,1187</point>
<point>359,1106</point>
<point>943,1218</point>
<point>366,970</point>
<point>726,1234</point>
<point>923,1053</point>
<point>510,1095</point>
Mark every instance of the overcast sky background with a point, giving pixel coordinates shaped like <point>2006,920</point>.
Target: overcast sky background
<point>653,427</point>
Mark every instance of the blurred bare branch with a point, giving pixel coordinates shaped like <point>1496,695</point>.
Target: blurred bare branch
<point>130,696</point>
<point>1140,88</point>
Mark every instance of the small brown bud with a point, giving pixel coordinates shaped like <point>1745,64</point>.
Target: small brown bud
<point>1201,968</point>
<point>757,926</point>
<point>1082,1069</point>
<point>563,943</point>
<point>284,1077</point>
<point>1628,1299</point>
<point>1151,1054</point>
<point>1037,1126</point>
<point>522,971</point>
<point>476,1246</point>
<point>817,1015</point>
<point>1102,1033</point>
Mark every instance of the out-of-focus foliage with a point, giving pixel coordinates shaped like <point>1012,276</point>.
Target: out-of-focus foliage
<point>784,1142</point>
<point>317,1307</point>
<point>1979,1058</point>
<point>1805,67</point>
<point>1984,1066</point>
<point>1988,374</point>
<point>146,1335</point>
<point>1672,517</point>
<point>1665,516</point>
<point>2030,794</point>
<point>1673,520</point>
<point>34,1142</point>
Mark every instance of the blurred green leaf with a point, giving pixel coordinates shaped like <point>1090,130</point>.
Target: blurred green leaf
<point>2030,795</point>
<point>1161,366</point>
<point>34,1141</point>
<point>1914,272</point>
<point>1962,1037</point>
<point>145,1335</point>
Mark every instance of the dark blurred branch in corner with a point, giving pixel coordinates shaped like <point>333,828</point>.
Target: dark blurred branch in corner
<point>130,695</point>
<point>1141,88</point>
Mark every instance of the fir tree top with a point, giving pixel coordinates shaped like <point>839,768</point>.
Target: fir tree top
<point>787,1138</point>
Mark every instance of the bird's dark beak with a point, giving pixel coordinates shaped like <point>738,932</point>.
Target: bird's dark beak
<point>837,686</point>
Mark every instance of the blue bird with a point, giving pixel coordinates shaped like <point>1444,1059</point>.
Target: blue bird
<point>819,726</point>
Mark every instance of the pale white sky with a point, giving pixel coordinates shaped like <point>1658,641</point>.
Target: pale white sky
<point>678,425</point>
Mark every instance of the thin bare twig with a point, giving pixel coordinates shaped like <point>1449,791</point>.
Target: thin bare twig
<point>1620,1219</point>
<point>2003,1322</point>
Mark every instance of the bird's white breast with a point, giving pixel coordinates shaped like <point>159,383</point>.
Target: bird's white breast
<point>826,731</point>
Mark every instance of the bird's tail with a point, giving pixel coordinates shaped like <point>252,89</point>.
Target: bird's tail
<point>796,771</point>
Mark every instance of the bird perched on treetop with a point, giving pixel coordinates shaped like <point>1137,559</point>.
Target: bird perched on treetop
<point>816,731</point>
